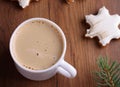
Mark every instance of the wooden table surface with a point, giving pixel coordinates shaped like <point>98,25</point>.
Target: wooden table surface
<point>81,52</point>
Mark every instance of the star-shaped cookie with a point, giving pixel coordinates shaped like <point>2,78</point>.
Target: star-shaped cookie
<point>24,3</point>
<point>104,26</point>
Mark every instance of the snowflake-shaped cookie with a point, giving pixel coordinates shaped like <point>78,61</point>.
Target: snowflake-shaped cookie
<point>104,26</point>
<point>24,3</point>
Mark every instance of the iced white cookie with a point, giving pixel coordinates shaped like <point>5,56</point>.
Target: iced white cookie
<point>24,3</point>
<point>104,26</point>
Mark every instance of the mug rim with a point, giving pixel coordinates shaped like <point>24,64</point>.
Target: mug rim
<point>58,29</point>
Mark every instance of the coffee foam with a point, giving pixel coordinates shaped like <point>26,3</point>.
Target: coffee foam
<point>36,52</point>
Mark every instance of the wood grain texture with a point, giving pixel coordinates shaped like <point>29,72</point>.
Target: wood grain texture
<point>81,52</point>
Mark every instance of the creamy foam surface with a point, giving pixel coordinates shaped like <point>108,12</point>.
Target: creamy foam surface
<point>37,45</point>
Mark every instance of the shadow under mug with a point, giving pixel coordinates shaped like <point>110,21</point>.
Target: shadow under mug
<point>61,66</point>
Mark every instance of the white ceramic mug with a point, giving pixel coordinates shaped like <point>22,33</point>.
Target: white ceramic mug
<point>61,66</point>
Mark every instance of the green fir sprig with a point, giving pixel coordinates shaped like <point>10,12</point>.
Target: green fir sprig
<point>108,74</point>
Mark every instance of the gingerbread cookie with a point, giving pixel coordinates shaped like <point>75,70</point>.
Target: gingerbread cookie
<point>104,26</point>
<point>24,3</point>
<point>69,1</point>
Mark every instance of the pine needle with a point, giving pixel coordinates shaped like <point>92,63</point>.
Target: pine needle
<point>108,74</point>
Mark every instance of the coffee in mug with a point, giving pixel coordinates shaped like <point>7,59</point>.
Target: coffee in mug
<point>37,45</point>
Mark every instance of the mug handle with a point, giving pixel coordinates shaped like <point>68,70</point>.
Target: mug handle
<point>67,70</point>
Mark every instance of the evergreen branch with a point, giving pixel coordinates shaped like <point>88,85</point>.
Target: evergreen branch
<point>108,74</point>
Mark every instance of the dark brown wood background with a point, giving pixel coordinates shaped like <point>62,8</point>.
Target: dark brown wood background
<point>81,52</point>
